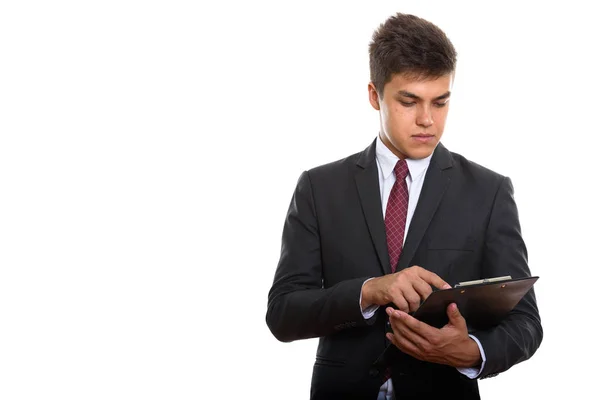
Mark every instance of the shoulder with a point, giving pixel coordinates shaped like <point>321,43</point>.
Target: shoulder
<point>476,184</point>
<point>474,171</point>
<point>342,169</point>
<point>470,175</point>
<point>336,167</point>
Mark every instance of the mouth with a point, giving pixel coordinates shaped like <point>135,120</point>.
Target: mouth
<point>423,137</point>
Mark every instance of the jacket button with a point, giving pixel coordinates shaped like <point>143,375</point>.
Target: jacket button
<point>373,372</point>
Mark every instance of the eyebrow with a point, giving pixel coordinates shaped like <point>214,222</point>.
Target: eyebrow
<point>414,96</point>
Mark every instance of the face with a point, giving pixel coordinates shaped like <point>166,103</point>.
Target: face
<point>412,114</point>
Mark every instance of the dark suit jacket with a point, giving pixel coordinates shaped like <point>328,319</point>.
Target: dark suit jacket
<point>465,227</point>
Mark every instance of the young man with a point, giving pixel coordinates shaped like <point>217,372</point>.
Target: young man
<point>385,226</point>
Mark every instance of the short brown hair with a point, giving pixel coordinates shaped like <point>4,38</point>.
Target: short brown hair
<point>409,45</point>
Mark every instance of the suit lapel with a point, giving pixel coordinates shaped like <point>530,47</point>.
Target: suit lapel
<point>436,182</point>
<point>367,183</point>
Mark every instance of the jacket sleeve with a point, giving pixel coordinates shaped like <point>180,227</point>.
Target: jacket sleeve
<point>518,337</point>
<point>299,307</point>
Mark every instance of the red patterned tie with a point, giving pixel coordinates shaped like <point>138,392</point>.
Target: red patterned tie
<point>395,213</point>
<point>395,223</point>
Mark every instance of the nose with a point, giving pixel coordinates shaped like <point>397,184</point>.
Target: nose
<point>424,117</point>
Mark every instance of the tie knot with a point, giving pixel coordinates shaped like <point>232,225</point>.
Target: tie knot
<point>401,169</point>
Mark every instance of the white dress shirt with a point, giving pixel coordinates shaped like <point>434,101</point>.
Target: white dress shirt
<point>386,161</point>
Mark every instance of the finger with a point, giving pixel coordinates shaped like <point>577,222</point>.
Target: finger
<point>410,325</point>
<point>405,345</point>
<point>433,279</point>
<point>392,338</point>
<point>400,302</point>
<point>422,288</point>
<point>412,298</point>
<point>400,328</point>
<point>455,317</point>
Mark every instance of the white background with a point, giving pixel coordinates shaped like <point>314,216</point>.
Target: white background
<point>149,151</point>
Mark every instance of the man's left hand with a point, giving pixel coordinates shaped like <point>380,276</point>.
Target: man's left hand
<point>450,345</point>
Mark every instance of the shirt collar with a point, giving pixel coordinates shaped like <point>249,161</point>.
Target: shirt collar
<point>387,161</point>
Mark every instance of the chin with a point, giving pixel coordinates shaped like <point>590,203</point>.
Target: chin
<point>418,154</point>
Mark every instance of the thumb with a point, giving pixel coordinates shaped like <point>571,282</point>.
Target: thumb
<point>454,316</point>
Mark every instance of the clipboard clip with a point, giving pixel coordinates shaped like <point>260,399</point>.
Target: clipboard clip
<point>486,280</point>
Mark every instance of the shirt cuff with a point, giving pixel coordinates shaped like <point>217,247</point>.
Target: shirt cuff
<point>473,372</point>
<point>369,311</point>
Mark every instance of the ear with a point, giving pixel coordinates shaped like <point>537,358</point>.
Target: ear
<point>373,96</point>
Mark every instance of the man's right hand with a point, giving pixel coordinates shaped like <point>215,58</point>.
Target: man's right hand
<point>405,289</point>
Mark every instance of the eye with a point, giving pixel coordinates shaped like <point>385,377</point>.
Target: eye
<point>407,104</point>
<point>440,105</point>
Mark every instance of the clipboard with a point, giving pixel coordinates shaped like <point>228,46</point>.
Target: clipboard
<point>483,305</point>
